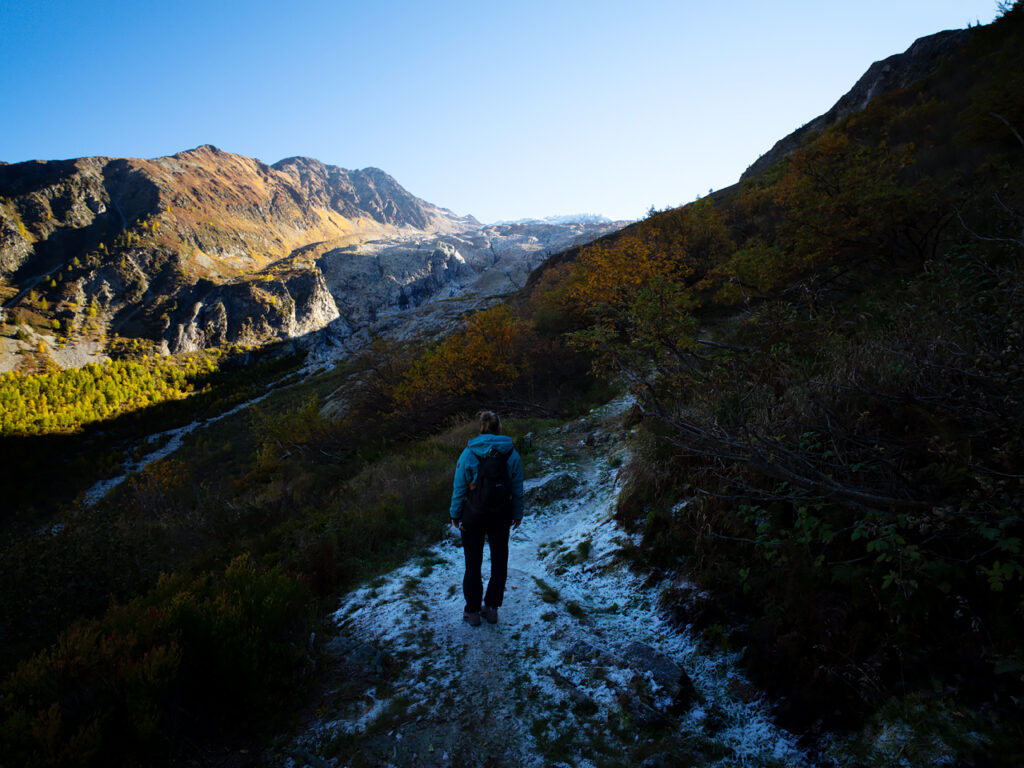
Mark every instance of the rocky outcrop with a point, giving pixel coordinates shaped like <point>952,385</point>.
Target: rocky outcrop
<point>49,209</point>
<point>176,248</point>
<point>367,283</point>
<point>920,60</point>
<point>251,312</point>
<point>551,488</point>
<point>15,247</point>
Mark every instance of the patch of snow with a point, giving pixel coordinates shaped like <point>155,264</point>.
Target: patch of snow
<point>573,218</point>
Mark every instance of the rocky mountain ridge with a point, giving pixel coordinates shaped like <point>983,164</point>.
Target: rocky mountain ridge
<point>206,248</point>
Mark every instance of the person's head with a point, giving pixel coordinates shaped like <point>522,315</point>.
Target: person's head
<point>490,424</point>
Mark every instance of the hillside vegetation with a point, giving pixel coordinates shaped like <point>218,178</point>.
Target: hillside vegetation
<point>64,400</point>
<point>257,524</point>
<point>826,361</point>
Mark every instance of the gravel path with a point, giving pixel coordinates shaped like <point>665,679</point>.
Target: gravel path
<point>581,670</point>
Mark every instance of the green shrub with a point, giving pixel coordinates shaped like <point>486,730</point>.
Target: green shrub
<point>190,657</point>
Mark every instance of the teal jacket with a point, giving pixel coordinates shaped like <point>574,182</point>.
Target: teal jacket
<point>466,469</point>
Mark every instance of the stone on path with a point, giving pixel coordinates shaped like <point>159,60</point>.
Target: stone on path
<point>555,487</point>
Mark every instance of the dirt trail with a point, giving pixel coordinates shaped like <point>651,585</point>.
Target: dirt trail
<point>580,670</point>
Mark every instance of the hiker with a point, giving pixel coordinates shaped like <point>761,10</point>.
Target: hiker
<point>487,502</point>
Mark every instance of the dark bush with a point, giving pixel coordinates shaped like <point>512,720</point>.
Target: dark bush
<point>192,657</point>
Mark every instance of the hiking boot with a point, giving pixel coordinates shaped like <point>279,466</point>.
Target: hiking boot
<point>473,617</point>
<point>489,613</point>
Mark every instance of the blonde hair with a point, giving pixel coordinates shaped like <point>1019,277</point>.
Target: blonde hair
<point>490,424</point>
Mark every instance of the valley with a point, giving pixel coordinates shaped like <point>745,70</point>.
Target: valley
<point>772,441</point>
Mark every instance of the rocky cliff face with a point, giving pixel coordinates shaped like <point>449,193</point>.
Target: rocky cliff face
<point>369,192</point>
<point>177,248</point>
<point>421,287</point>
<point>362,290</point>
<point>920,60</point>
<point>207,248</point>
<point>391,275</point>
<point>48,209</point>
<point>251,312</point>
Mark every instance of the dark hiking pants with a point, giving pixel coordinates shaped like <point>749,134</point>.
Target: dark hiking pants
<point>496,532</point>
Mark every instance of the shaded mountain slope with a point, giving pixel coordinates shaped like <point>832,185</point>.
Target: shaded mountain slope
<point>921,59</point>
<point>827,361</point>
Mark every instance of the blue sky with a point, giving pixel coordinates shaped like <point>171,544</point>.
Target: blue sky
<point>502,110</point>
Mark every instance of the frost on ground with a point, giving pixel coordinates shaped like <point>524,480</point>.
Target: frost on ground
<point>580,670</point>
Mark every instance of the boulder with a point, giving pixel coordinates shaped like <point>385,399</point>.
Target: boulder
<point>670,678</point>
<point>358,656</point>
<point>551,488</point>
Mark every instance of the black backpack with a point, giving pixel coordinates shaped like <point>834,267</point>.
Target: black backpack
<point>490,497</point>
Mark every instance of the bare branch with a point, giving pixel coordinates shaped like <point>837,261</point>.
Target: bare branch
<point>976,236</point>
<point>1006,122</point>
